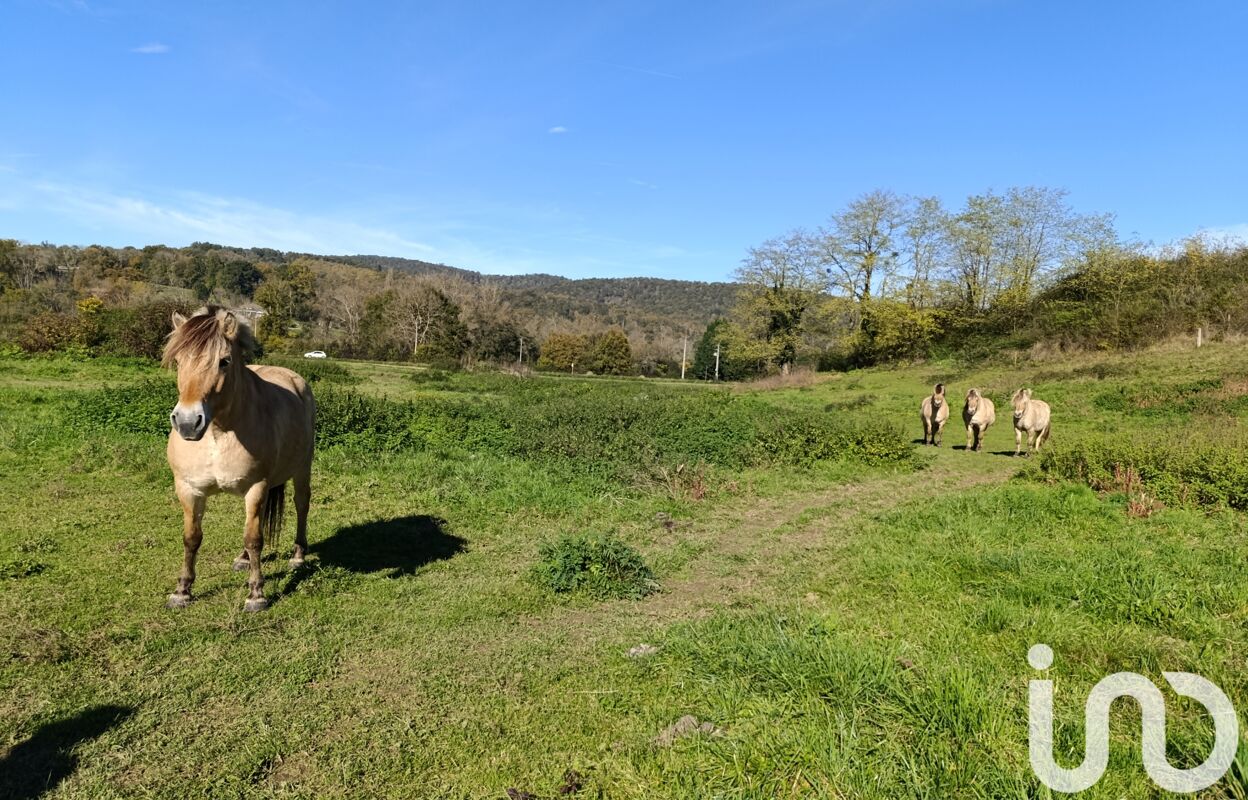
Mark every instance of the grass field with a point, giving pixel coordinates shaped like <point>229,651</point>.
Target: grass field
<point>851,620</point>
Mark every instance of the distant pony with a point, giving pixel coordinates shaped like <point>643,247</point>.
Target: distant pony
<point>978,414</point>
<point>935,413</point>
<point>237,429</point>
<point>1031,417</point>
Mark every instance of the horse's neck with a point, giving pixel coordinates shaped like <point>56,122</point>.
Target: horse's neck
<point>242,398</point>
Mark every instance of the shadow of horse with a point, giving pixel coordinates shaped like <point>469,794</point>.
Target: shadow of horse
<point>399,546</point>
<point>40,763</point>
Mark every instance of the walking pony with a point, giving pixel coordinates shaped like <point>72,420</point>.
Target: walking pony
<point>1032,418</point>
<point>978,414</point>
<point>935,413</point>
<point>245,430</point>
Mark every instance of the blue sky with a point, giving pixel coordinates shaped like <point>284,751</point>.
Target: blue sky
<point>602,138</point>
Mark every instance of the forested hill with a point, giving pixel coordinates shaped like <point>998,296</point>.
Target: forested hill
<point>552,295</point>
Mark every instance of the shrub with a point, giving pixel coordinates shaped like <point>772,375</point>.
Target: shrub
<point>1200,471</point>
<point>51,331</point>
<point>604,432</point>
<point>136,408</point>
<point>600,566</point>
<point>351,419</point>
<point>314,370</point>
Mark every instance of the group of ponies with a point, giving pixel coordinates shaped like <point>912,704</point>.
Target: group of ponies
<point>1031,418</point>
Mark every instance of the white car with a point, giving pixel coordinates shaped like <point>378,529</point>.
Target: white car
<point>315,354</point>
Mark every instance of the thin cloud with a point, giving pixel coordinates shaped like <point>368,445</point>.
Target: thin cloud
<point>557,129</point>
<point>151,49</point>
<point>190,216</point>
<point>641,183</point>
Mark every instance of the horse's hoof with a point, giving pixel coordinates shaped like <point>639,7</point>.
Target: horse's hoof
<point>295,563</point>
<point>178,601</point>
<point>255,604</point>
<point>241,565</point>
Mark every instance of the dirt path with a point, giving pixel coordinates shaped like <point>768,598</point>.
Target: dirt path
<point>751,550</point>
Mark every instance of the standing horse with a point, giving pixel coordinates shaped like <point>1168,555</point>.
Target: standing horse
<point>238,429</point>
<point>1031,417</point>
<point>978,414</point>
<point>935,413</point>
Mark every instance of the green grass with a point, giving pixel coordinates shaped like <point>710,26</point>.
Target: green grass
<point>854,625</point>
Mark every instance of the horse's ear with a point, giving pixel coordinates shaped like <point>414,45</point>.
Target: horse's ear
<point>940,389</point>
<point>178,320</point>
<point>1027,393</point>
<point>229,325</point>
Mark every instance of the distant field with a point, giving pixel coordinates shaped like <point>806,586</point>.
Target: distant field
<point>849,611</point>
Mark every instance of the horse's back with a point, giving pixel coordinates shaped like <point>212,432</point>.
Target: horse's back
<point>294,388</point>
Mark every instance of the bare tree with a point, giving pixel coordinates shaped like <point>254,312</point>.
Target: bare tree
<point>417,308</point>
<point>925,249</point>
<point>860,244</point>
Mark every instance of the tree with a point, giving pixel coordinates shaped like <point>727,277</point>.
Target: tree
<point>429,321</point>
<point>563,351</point>
<point>925,249</point>
<point>287,295</point>
<point>610,354</point>
<point>860,244</point>
<point>780,278</point>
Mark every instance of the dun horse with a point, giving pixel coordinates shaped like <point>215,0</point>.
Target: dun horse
<point>978,414</point>
<point>1031,417</point>
<point>238,429</point>
<point>935,413</point>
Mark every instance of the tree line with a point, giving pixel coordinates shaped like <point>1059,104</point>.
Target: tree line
<point>891,277</point>
<point>888,277</point>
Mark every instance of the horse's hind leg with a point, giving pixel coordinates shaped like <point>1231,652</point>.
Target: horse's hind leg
<point>303,498</point>
<point>192,535</point>
<point>253,542</point>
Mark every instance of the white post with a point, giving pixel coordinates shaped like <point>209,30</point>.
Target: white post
<point>684,349</point>
<point>1199,336</point>
<point>716,362</point>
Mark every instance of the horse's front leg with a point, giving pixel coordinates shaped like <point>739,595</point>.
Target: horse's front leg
<point>939,435</point>
<point>1018,442</point>
<point>253,543</point>
<point>192,534</point>
<point>1032,440</point>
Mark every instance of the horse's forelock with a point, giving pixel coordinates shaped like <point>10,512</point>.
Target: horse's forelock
<point>207,337</point>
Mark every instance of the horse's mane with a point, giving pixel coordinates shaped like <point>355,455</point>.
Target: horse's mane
<point>208,336</point>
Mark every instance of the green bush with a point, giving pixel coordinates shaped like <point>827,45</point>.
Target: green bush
<point>315,370</point>
<point>1206,471</point>
<point>142,407</point>
<point>600,566</point>
<point>606,432</point>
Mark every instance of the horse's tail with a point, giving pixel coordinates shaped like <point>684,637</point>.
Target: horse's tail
<point>271,515</point>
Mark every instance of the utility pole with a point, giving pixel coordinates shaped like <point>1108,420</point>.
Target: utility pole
<point>684,349</point>
<point>716,362</point>
<point>521,362</point>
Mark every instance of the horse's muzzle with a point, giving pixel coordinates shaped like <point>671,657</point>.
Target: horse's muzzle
<point>190,423</point>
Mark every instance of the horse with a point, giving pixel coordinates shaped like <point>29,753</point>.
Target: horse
<point>934,412</point>
<point>1031,417</point>
<point>979,413</point>
<point>245,430</point>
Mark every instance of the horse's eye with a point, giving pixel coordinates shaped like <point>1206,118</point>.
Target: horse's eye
<point>225,363</point>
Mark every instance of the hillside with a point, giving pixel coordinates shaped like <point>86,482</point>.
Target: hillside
<point>552,295</point>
